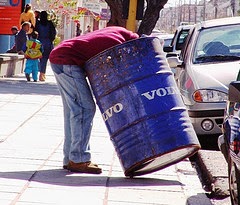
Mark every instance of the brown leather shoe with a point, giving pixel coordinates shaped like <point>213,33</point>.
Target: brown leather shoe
<point>66,166</point>
<point>84,167</point>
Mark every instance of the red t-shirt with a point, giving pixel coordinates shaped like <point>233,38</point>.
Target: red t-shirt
<point>78,50</point>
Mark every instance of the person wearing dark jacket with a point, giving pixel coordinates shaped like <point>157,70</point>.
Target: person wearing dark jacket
<point>14,31</point>
<point>47,34</point>
<point>22,37</point>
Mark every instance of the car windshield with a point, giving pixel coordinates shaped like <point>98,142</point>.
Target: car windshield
<point>218,44</point>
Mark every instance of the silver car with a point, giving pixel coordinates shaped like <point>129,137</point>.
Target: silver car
<point>208,62</point>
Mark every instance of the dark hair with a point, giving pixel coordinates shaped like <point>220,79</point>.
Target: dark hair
<point>27,8</point>
<point>37,13</point>
<point>34,34</point>
<point>14,28</point>
<point>43,17</point>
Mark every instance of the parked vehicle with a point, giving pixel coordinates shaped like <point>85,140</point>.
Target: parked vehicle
<point>167,39</point>
<point>174,48</point>
<point>208,62</point>
<point>229,141</point>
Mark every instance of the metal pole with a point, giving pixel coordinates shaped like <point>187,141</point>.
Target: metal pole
<point>131,21</point>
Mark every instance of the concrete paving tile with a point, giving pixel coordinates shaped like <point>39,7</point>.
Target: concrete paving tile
<point>22,142</point>
<point>19,162</point>
<point>19,181</point>
<point>131,203</point>
<point>28,154</point>
<point>18,111</point>
<point>99,159</point>
<point>77,195</point>
<point>5,201</point>
<point>8,196</point>
<point>23,157</point>
<point>17,169</point>
<point>7,188</point>
<point>31,203</point>
<point>6,97</point>
<point>146,196</point>
<point>55,160</point>
<point>54,110</point>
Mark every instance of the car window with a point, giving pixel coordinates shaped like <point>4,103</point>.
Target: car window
<point>174,38</point>
<point>167,42</point>
<point>217,42</point>
<point>187,42</point>
<point>181,39</point>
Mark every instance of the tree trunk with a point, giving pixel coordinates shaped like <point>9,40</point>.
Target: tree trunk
<point>151,16</point>
<point>116,13</point>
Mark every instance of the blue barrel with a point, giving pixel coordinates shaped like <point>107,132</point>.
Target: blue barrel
<point>141,106</point>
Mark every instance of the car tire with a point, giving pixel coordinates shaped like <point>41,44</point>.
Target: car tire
<point>234,182</point>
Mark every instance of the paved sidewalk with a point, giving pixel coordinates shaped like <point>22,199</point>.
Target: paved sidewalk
<point>31,136</point>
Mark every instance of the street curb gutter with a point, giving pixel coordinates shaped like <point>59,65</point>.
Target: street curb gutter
<point>212,169</point>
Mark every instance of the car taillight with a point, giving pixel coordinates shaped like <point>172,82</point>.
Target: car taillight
<point>235,146</point>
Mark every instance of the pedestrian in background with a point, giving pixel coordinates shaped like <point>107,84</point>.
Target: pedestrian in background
<point>37,17</point>
<point>78,30</point>
<point>14,31</point>
<point>33,52</point>
<point>47,34</point>
<point>67,61</point>
<point>22,37</point>
<point>88,29</point>
<point>28,16</point>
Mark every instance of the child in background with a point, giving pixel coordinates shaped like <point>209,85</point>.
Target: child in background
<point>33,52</point>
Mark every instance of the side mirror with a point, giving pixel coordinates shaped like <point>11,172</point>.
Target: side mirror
<point>171,54</point>
<point>168,49</point>
<point>234,91</point>
<point>174,61</point>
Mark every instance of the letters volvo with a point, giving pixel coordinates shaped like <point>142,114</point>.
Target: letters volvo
<point>160,92</point>
<point>118,107</point>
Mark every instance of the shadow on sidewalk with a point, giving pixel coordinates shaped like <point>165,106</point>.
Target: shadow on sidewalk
<point>64,178</point>
<point>21,86</point>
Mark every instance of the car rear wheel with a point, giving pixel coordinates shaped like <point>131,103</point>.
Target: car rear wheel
<point>234,183</point>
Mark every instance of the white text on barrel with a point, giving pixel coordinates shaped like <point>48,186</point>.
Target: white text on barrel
<point>112,110</point>
<point>160,92</point>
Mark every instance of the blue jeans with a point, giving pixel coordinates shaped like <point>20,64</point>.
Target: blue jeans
<point>79,109</point>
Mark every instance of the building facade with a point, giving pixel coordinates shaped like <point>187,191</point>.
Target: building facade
<point>192,12</point>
